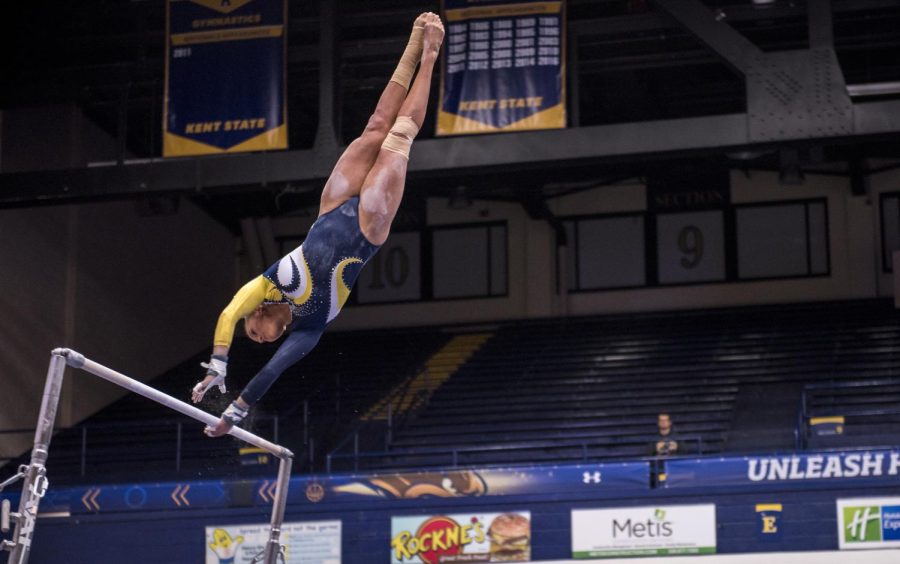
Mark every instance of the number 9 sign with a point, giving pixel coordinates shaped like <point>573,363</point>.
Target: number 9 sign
<point>690,247</point>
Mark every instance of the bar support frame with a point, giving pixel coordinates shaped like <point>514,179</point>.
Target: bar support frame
<point>35,474</point>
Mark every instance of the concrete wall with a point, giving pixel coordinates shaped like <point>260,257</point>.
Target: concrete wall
<point>880,183</point>
<point>139,294</point>
<point>854,235</point>
<point>48,138</point>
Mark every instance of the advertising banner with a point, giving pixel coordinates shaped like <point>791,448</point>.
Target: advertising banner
<point>868,523</point>
<point>799,470</point>
<point>225,86</point>
<point>586,480</point>
<point>643,531</point>
<point>313,542</point>
<point>503,66</point>
<point>464,537</point>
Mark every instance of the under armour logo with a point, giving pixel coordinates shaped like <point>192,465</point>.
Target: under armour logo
<point>591,477</point>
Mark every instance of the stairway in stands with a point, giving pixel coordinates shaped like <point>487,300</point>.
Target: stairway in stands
<point>413,393</point>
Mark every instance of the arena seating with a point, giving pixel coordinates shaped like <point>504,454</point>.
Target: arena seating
<point>591,388</point>
<point>545,390</point>
<point>851,412</point>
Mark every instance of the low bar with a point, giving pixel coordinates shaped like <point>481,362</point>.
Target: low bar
<point>77,360</point>
<point>35,474</point>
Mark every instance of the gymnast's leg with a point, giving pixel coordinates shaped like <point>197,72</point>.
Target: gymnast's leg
<point>347,177</point>
<point>382,189</point>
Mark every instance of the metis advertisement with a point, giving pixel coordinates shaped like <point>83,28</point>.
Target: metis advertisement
<point>868,522</point>
<point>464,537</point>
<point>644,531</point>
<point>312,542</point>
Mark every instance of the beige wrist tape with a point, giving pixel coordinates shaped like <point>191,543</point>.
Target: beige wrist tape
<point>401,136</point>
<point>410,58</point>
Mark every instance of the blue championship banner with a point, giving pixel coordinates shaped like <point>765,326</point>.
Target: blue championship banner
<point>225,86</point>
<point>798,470</point>
<point>504,66</point>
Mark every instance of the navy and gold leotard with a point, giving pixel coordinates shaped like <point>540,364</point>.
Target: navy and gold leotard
<point>314,279</point>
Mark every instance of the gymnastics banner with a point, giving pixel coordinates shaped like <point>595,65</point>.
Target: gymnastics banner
<point>798,470</point>
<point>504,66</point>
<point>313,542</point>
<point>225,85</point>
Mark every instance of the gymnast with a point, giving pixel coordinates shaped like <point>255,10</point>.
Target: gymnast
<point>305,290</point>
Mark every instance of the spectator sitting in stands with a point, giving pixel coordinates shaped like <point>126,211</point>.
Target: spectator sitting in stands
<point>665,443</point>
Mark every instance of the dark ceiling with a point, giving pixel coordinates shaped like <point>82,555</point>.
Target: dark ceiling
<point>627,61</point>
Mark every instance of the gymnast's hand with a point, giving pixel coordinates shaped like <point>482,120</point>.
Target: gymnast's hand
<point>216,369</point>
<point>221,429</point>
<point>232,415</point>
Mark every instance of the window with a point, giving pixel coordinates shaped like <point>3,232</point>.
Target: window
<point>469,261</point>
<point>606,252</point>
<point>890,229</point>
<point>782,240</point>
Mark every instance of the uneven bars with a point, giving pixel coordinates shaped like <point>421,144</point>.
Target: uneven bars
<point>34,475</point>
<point>77,360</point>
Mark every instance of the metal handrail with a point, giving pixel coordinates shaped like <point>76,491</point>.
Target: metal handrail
<point>455,452</point>
<point>853,384</point>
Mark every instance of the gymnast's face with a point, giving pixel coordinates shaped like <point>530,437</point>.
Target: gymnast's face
<point>263,326</point>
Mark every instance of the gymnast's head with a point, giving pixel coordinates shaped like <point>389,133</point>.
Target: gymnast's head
<point>264,325</point>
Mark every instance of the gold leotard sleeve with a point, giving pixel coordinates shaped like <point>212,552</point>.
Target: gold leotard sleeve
<point>242,304</point>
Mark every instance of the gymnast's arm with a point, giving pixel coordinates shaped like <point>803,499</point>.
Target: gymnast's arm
<point>247,299</point>
<point>251,295</point>
<point>294,348</point>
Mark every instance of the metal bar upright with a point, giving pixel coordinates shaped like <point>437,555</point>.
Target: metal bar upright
<point>273,547</point>
<point>35,479</point>
<point>35,484</point>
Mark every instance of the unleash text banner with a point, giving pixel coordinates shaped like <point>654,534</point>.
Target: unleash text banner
<point>504,66</point>
<point>643,531</point>
<point>873,466</point>
<point>225,86</point>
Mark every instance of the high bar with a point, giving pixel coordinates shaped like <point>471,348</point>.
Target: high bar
<point>77,360</point>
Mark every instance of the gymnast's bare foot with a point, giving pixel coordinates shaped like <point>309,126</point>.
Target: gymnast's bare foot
<point>434,34</point>
<point>420,21</point>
